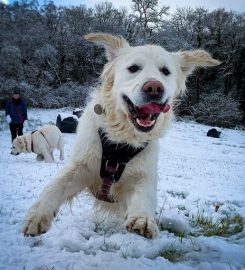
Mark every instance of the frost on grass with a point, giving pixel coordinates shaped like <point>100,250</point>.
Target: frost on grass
<point>224,226</point>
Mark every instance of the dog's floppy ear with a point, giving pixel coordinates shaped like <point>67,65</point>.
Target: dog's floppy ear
<point>111,43</point>
<point>189,60</point>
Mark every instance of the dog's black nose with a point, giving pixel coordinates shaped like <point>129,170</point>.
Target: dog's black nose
<point>153,87</point>
<point>153,90</point>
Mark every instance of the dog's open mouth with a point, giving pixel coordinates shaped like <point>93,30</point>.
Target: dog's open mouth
<point>144,117</point>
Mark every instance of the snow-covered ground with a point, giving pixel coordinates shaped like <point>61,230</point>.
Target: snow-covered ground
<point>201,188</point>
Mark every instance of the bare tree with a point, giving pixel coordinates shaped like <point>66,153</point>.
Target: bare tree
<point>149,15</point>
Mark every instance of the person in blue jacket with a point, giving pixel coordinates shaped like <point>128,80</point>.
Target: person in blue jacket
<point>16,114</point>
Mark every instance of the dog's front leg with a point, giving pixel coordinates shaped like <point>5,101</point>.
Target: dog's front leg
<point>48,157</point>
<point>66,185</point>
<point>141,211</point>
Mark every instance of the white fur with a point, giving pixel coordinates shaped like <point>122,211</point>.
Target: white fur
<point>136,189</point>
<point>43,147</point>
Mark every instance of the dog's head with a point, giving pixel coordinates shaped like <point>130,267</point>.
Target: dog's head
<point>18,146</point>
<point>142,82</point>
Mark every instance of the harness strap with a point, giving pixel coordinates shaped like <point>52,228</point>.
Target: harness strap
<point>32,145</point>
<point>115,157</point>
<point>44,136</point>
<point>26,144</point>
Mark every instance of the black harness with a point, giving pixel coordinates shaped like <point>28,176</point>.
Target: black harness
<point>115,157</point>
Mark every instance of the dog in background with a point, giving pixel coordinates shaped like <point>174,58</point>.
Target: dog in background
<point>132,108</point>
<point>41,142</point>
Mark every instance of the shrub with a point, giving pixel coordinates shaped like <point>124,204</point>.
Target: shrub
<point>67,95</point>
<point>217,109</point>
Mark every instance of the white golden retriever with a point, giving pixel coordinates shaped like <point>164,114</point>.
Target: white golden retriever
<point>42,142</point>
<point>132,108</point>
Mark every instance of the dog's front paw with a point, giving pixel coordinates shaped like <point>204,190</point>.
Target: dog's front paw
<point>36,222</point>
<point>40,157</point>
<point>142,225</point>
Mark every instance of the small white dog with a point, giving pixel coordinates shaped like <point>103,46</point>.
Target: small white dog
<point>116,149</point>
<point>42,142</point>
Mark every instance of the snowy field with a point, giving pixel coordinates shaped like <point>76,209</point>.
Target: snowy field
<point>201,209</point>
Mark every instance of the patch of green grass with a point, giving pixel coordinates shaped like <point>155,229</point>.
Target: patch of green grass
<point>36,243</point>
<point>178,194</point>
<point>172,254</point>
<point>178,233</point>
<point>225,226</point>
<point>181,207</point>
<point>44,267</point>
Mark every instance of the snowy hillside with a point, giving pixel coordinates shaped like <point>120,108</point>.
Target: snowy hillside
<point>201,209</point>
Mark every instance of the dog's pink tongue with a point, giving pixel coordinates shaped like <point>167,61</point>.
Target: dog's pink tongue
<point>151,108</point>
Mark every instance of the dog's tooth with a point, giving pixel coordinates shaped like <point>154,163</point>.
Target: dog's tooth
<point>145,125</point>
<point>153,122</point>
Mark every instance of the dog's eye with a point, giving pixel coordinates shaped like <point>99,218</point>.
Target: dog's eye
<point>165,71</point>
<point>133,68</point>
